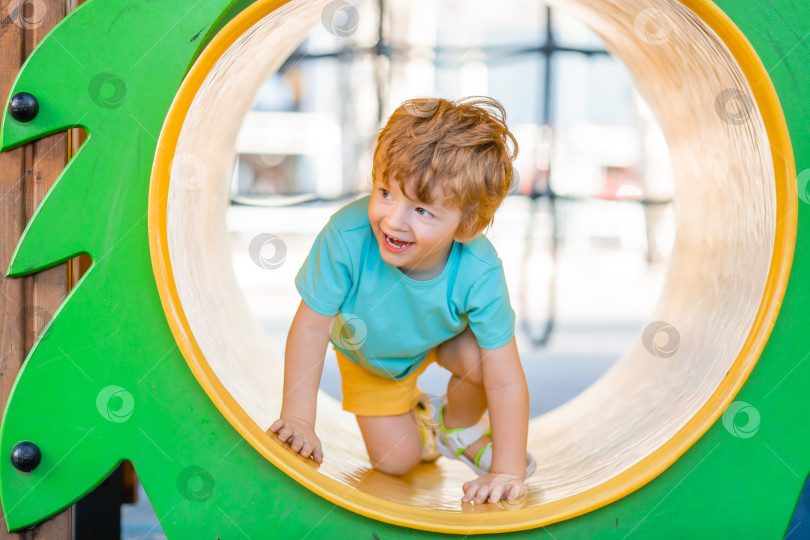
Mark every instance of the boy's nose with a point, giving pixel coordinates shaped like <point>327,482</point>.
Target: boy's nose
<point>397,219</point>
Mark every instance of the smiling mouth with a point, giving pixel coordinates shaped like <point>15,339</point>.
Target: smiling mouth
<point>395,244</point>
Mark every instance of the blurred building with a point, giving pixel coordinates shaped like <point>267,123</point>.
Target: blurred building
<point>585,134</point>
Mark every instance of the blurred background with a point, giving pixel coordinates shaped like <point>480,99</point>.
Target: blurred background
<point>586,235</point>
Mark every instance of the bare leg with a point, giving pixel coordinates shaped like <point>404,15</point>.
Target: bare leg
<point>394,443</point>
<point>466,398</point>
<point>466,403</point>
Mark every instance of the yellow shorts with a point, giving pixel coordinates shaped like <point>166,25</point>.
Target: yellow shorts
<point>367,394</point>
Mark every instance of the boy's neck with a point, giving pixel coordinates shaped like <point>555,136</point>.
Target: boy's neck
<point>426,275</point>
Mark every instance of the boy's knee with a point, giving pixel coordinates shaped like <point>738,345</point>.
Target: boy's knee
<point>399,460</point>
<point>395,468</point>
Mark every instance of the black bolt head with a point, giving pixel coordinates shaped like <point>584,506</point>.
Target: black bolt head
<point>24,107</point>
<point>25,456</point>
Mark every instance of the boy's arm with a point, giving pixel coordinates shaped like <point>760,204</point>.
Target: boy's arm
<point>508,400</point>
<point>303,365</point>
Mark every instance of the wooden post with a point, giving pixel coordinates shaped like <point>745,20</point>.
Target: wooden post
<point>26,175</point>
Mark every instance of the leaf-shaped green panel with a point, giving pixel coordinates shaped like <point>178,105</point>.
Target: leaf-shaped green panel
<point>94,385</point>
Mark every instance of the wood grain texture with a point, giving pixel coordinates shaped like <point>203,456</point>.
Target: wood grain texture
<point>26,175</point>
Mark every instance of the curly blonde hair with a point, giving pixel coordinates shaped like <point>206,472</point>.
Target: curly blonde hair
<point>461,147</point>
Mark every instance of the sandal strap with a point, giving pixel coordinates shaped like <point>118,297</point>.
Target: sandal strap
<point>461,438</point>
<point>483,459</point>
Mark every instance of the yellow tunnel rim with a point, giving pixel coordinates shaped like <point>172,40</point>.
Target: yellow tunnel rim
<point>626,482</point>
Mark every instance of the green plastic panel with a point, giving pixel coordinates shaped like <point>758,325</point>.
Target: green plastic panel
<point>106,382</point>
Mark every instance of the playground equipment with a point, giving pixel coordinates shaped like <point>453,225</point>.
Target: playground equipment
<point>153,357</point>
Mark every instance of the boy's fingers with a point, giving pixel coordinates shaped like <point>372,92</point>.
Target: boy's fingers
<point>481,496</point>
<point>510,492</point>
<point>470,491</point>
<point>496,494</point>
<point>297,443</point>
<point>518,488</point>
<point>317,454</point>
<point>306,450</point>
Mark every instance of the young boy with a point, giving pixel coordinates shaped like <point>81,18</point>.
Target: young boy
<point>404,278</point>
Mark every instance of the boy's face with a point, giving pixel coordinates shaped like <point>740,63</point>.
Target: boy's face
<point>414,236</point>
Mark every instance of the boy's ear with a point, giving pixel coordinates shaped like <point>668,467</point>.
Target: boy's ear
<point>459,237</point>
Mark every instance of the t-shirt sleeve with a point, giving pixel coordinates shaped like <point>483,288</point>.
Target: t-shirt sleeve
<point>325,278</point>
<point>489,311</point>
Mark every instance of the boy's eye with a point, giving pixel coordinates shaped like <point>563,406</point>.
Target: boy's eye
<point>385,193</point>
<point>423,212</point>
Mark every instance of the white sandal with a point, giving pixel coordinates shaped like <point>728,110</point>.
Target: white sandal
<point>454,441</point>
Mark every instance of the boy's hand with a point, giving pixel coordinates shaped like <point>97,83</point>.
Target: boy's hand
<point>301,436</point>
<point>494,487</point>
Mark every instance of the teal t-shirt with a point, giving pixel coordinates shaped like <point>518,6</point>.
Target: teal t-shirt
<point>387,322</point>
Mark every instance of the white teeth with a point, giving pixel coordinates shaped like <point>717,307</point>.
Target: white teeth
<point>394,242</point>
